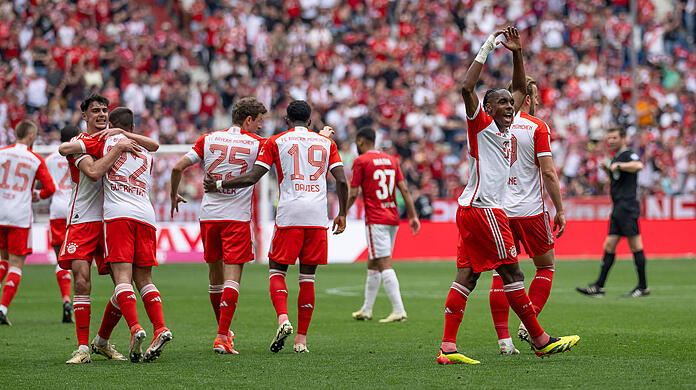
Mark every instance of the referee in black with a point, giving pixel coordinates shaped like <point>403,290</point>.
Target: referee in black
<point>623,172</point>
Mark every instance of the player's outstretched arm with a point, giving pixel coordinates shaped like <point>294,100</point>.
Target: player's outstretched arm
<point>146,142</point>
<point>548,172</point>
<point>68,148</point>
<point>174,181</point>
<point>95,170</point>
<point>474,73</point>
<point>630,167</point>
<point>339,224</point>
<point>513,43</point>
<point>248,179</point>
<point>413,220</point>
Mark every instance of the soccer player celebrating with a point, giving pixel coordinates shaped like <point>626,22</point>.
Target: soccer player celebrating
<point>129,232</point>
<point>58,214</point>
<point>302,159</point>
<point>20,168</point>
<point>485,240</point>
<point>225,215</point>
<point>84,237</point>
<point>623,171</point>
<point>524,205</point>
<point>377,173</point>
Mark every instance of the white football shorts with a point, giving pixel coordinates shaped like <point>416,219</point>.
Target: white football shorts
<point>380,240</point>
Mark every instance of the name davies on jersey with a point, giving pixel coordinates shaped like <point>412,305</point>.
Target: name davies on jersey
<point>299,187</point>
<point>128,189</point>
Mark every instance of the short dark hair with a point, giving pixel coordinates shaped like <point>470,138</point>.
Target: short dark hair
<point>245,107</point>
<point>121,117</point>
<point>68,132</point>
<point>367,134</point>
<point>84,106</point>
<point>24,128</point>
<point>528,89</point>
<point>298,111</point>
<point>621,130</point>
<point>490,92</point>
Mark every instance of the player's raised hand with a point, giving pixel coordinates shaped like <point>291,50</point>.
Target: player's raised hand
<point>175,204</point>
<point>327,131</point>
<point>128,145</point>
<point>415,225</point>
<point>339,224</point>
<point>512,39</point>
<point>106,133</point>
<point>559,223</point>
<point>209,183</point>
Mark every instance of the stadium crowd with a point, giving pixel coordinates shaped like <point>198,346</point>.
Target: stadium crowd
<point>392,65</point>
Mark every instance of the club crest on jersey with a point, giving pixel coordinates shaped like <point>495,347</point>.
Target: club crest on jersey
<point>71,247</point>
<point>512,250</point>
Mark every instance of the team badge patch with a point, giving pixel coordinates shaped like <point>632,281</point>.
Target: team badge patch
<point>513,251</point>
<point>72,247</point>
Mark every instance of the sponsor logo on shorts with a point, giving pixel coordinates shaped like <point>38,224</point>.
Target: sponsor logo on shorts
<point>513,251</point>
<point>72,247</point>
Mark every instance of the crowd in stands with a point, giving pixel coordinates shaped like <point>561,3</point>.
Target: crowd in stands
<point>393,65</point>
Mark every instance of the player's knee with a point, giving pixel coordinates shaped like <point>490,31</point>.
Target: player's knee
<point>82,285</point>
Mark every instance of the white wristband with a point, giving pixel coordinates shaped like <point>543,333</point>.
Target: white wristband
<point>486,48</point>
<point>218,184</point>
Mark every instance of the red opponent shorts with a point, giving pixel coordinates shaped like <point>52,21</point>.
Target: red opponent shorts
<point>84,241</point>
<point>129,241</point>
<point>485,239</point>
<point>57,231</point>
<point>226,240</point>
<point>534,233</point>
<point>310,245</point>
<point>16,240</point>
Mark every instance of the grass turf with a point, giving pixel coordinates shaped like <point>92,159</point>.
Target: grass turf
<point>626,343</point>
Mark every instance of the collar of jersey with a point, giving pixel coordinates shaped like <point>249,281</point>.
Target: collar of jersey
<point>235,129</point>
<point>300,128</point>
<point>21,146</point>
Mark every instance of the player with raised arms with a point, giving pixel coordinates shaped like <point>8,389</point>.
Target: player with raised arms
<point>84,238</point>
<point>20,167</point>
<point>130,233</point>
<point>58,214</point>
<point>377,174</point>
<point>524,205</point>
<point>485,239</point>
<point>302,159</point>
<point>225,216</point>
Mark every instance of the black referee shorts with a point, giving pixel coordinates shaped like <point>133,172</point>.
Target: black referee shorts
<point>624,219</point>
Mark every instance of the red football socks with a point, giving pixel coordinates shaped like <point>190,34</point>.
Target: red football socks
<point>305,303</point>
<point>228,305</point>
<point>279,291</point>
<point>3,269</point>
<point>520,303</point>
<point>82,310</point>
<point>152,300</point>
<point>125,295</point>
<point>454,312</point>
<point>500,309</point>
<point>540,289</point>
<point>112,314</point>
<point>215,292</point>
<point>14,276</point>
<point>63,278</point>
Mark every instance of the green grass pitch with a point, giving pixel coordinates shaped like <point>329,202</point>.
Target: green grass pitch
<point>626,343</point>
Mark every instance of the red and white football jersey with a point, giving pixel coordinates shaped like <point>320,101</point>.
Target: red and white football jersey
<point>302,159</point>
<point>227,154</point>
<point>19,168</point>
<point>489,149</point>
<point>127,184</point>
<point>86,198</point>
<point>58,168</point>
<point>530,140</point>
<point>377,174</point>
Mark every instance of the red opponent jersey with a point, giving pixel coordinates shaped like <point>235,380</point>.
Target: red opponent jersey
<point>377,173</point>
